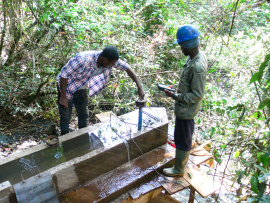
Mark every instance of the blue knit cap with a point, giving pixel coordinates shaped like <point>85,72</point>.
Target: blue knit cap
<point>190,44</point>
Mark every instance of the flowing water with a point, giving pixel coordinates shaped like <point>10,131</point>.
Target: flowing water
<point>116,131</point>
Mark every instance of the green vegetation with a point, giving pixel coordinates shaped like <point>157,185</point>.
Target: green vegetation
<point>38,37</point>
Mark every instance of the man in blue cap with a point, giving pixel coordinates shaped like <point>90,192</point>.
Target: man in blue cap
<point>188,96</point>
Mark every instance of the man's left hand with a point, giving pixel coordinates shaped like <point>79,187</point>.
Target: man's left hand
<point>169,93</point>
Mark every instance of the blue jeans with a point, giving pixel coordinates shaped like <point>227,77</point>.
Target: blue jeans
<point>80,102</point>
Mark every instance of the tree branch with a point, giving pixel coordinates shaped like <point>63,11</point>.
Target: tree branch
<point>233,20</point>
<point>4,28</point>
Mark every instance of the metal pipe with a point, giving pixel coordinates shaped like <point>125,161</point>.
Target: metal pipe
<point>140,119</point>
<point>140,104</point>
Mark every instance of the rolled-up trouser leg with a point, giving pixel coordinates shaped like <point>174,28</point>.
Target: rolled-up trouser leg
<point>80,102</point>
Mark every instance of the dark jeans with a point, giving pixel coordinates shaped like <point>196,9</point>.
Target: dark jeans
<point>80,102</point>
<point>183,132</point>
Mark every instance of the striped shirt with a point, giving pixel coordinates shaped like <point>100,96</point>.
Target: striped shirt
<point>81,71</point>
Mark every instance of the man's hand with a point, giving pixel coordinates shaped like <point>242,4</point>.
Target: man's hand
<point>63,87</point>
<point>63,101</point>
<point>141,93</point>
<point>169,93</point>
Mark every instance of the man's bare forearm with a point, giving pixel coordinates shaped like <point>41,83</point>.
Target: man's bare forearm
<point>63,86</point>
<point>133,76</point>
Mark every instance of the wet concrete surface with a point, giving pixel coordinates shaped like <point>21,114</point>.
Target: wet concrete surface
<point>76,161</point>
<point>106,160</point>
<point>108,186</point>
<point>113,133</point>
<point>146,187</point>
<point>45,159</point>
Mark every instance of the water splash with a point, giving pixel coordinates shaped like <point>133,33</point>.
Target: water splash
<point>127,146</point>
<point>110,134</point>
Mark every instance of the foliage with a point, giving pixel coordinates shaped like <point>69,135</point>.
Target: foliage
<point>38,37</point>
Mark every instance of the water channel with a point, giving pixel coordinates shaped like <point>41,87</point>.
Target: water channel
<point>117,130</point>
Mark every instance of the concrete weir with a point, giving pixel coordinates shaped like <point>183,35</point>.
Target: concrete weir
<point>88,153</point>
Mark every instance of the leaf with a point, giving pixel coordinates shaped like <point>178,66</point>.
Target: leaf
<point>240,177</point>
<point>265,160</point>
<point>264,103</point>
<point>255,77</point>
<point>265,63</point>
<point>253,182</point>
<point>218,160</point>
<point>223,146</point>
<point>250,200</point>
<point>44,16</point>
<point>232,74</point>
<point>217,156</point>
<point>182,2</point>
<point>263,177</point>
<point>258,75</point>
<point>260,168</point>
<point>212,70</point>
<point>237,153</point>
<point>177,182</point>
<point>238,107</point>
<point>115,85</point>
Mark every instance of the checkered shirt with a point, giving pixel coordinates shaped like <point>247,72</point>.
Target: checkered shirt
<point>79,70</point>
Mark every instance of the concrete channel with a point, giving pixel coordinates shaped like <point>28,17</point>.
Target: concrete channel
<point>88,153</point>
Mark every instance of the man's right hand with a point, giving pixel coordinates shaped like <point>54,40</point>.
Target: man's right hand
<point>63,101</point>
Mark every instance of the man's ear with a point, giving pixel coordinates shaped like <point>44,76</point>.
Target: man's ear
<point>105,59</point>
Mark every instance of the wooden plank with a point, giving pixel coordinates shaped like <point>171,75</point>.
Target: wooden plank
<point>211,163</point>
<point>39,188</point>
<point>148,196</point>
<point>191,195</point>
<point>174,184</point>
<point>164,198</point>
<point>128,200</point>
<point>147,187</point>
<point>207,145</point>
<point>200,181</point>
<point>104,116</point>
<point>199,156</point>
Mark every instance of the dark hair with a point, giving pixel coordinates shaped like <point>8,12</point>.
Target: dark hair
<point>110,53</point>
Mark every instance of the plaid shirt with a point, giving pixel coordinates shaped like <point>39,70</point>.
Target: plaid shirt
<point>79,70</point>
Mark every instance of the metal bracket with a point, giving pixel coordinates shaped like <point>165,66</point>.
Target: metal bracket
<point>140,103</point>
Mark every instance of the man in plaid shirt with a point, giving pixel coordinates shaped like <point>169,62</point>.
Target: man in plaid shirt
<point>90,69</point>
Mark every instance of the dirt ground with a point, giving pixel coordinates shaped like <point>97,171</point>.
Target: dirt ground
<point>26,133</point>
